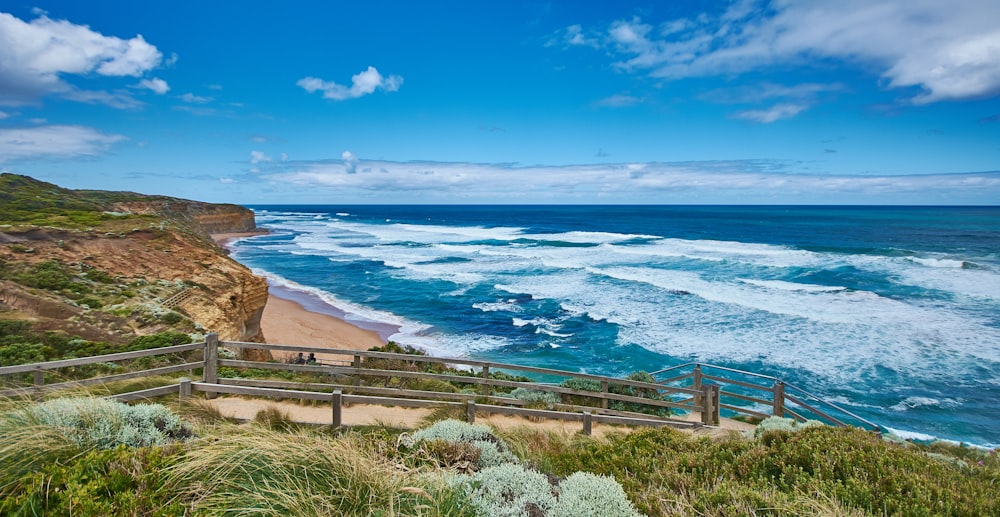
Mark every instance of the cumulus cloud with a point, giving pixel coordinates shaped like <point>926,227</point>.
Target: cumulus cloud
<point>35,55</point>
<point>350,162</point>
<point>53,142</point>
<point>949,50</point>
<point>362,83</point>
<point>744,181</point>
<point>259,157</point>
<point>155,84</point>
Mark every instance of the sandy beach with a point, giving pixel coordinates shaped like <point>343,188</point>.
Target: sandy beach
<point>287,322</point>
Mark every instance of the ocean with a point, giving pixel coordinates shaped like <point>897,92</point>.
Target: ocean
<point>890,312</point>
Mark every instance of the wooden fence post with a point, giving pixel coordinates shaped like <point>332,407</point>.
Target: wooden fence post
<point>604,390</point>
<point>338,406</point>
<point>588,423</point>
<point>486,377</point>
<point>356,380</point>
<point>211,370</point>
<point>696,374</point>
<point>470,411</point>
<point>778,407</point>
<point>38,381</point>
<point>710,404</point>
<point>185,388</point>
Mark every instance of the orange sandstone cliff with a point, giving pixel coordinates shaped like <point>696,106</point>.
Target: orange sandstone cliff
<point>110,265</point>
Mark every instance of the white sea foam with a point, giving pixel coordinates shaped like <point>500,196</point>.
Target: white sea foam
<point>938,262</point>
<point>917,402</point>
<point>508,306</point>
<point>791,286</point>
<point>547,332</point>
<point>911,435</point>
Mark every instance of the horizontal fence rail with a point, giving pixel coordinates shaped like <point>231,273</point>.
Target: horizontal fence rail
<point>707,390</point>
<point>738,388</point>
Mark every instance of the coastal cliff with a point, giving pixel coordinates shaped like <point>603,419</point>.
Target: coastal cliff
<point>114,265</point>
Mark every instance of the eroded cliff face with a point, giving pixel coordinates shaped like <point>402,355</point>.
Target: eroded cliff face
<point>127,275</point>
<point>215,292</point>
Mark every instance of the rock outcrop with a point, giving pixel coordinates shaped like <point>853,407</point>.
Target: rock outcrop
<point>151,256</point>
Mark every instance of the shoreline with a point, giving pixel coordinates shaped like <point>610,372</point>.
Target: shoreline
<point>292,318</point>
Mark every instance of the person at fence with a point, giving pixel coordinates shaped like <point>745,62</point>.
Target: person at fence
<point>300,360</point>
<point>311,359</point>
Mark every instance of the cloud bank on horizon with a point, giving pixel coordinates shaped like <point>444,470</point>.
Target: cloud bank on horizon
<point>782,101</point>
<point>745,181</point>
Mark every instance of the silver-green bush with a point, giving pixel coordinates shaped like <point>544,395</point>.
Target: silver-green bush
<point>537,397</point>
<point>492,450</point>
<point>509,490</point>
<point>774,423</point>
<point>103,423</point>
<point>583,494</point>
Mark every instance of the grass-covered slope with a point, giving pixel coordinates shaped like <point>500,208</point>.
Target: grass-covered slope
<point>51,463</point>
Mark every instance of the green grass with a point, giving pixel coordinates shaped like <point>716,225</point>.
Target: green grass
<point>274,467</point>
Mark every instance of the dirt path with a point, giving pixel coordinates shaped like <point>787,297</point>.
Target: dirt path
<point>365,414</point>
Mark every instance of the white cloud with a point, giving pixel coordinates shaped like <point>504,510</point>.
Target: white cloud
<point>194,99</point>
<point>53,142</point>
<point>4,114</point>
<point>350,162</point>
<point>155,84</point>
<point>362,83</point>
<point>772,114</point>
<point>950,50</point>
<point>618,100</point>
<point>259,157</point>
<point>35,55</point>
<point>743,181</point>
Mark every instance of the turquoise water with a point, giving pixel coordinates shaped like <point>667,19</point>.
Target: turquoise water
<point>893,312</point>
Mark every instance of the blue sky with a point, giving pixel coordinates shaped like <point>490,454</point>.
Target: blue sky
<point>812,102</point>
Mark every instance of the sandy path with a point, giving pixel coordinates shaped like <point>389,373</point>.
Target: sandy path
<point>409,418</point>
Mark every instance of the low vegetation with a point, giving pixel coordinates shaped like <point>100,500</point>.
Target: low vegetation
<point>271,466</point>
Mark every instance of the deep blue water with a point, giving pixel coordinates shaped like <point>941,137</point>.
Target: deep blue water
<point>893,312</point>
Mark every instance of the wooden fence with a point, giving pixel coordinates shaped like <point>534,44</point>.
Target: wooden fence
<point>348,370</point>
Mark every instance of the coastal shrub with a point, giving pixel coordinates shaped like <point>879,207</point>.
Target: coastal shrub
<point>583,494</point>
<point>777,423</point>
<point>102,423</point>
<point>119,481</point>
<point>618,389</point>
<point>537,398</point>
<point>492,450</point>
<point>510,490</point>
<point>845,470</point>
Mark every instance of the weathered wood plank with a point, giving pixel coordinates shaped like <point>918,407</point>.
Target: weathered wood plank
<point>16,392</point>
<point>724,380</point>
<point>172,389</point>
<point>120,356</point>
<point>739,409</point>
<point>814,410</point>
<point>744,397</point>
<point>260,392</point>
<point>682,424</point>
<point>387,401</point>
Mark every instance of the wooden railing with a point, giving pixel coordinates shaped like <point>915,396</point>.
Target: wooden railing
<point>741,392</point>
<point>345,373</point>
